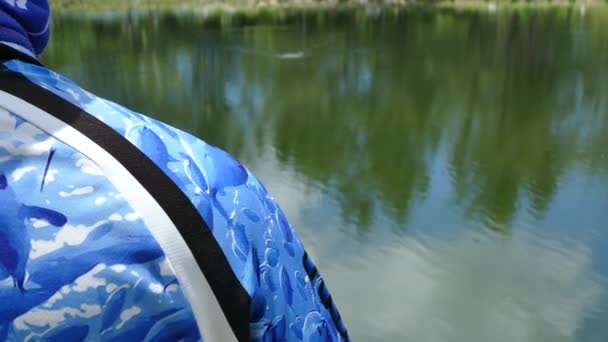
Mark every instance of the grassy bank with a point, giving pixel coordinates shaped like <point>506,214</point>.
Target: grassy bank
<point>121,5</point>
<point>194,4</point>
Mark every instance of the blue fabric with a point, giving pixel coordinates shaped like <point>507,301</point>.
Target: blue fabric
<point>289,299</point>
<point>77,263</point>
<point>26,23</point>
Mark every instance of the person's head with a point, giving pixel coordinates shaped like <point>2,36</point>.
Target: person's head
<point>25,23</point>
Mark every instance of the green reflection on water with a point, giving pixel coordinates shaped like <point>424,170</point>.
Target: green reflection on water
<point>407,145</point>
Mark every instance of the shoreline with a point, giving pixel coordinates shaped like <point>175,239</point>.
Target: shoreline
<point>207,7</point>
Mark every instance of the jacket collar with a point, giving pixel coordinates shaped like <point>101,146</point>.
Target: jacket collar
<point>8,53</point>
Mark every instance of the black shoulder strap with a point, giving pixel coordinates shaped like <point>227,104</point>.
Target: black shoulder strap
<point>232,297</point>
<point>7,53</point>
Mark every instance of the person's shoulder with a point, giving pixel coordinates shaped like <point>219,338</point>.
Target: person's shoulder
<point>166,145</point>
<point>153,137</point>
<point>289,298</point>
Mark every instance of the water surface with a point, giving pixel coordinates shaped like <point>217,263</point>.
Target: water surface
<point>447,170</point>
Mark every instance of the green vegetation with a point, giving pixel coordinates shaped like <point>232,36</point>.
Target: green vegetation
<point>194,4</point>
<point>252,5</point>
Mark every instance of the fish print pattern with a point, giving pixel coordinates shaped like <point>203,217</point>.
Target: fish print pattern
<point>76,262</point>
<point>289,298</point>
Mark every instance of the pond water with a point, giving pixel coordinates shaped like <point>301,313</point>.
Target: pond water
<point>446,169</point>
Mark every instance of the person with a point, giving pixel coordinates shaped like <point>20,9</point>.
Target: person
<point>115,226</point>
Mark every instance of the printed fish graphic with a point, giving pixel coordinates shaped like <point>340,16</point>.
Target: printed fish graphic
<point>15,244</point>
<point>152,145</point>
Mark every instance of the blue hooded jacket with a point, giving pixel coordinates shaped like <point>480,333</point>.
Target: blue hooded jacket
<point>115,226</point>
